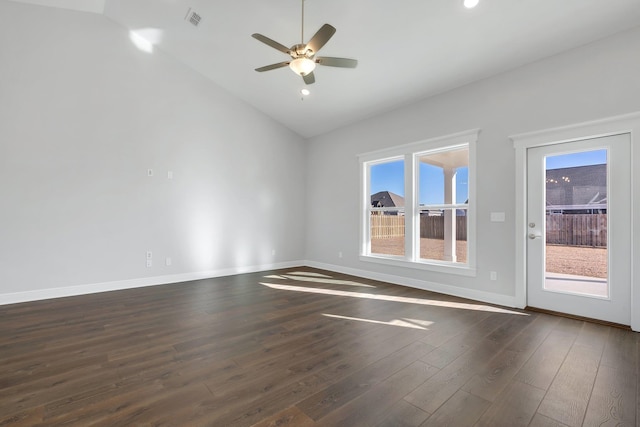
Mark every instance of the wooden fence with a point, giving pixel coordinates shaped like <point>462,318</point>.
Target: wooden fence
<point>569,230</point>
<point>577,230</point>
<point>387,226</point>
<point>432,227</point>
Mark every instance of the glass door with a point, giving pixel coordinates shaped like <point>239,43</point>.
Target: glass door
<point>579,228</point>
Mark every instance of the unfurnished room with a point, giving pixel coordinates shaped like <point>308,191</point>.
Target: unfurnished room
<point>319,213</point>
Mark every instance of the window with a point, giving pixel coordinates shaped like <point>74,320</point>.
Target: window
<point>418,207</point>
<point>387,213</point>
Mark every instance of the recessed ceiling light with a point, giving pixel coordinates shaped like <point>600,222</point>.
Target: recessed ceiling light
<point>470,4</point>
<point>305,92</point>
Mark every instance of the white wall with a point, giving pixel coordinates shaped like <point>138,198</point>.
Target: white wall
<point>95,6</point>
<point>83,115</point>
<point>595,81</point>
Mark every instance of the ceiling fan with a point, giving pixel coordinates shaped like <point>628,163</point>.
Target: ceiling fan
<point>303,56</point>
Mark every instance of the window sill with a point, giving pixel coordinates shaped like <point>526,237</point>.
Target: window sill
<point>438,267</point>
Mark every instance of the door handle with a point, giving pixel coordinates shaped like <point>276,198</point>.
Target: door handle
<point>534,236</point>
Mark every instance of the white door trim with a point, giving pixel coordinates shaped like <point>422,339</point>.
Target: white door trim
<point>628,123</point>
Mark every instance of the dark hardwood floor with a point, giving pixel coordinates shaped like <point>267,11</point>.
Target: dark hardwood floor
<point>304,347</point>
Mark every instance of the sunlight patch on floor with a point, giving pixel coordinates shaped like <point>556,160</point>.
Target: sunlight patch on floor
<point>395,322</point>
<point>328,281</point>
<point>419,301</point>
<point>309,274</point>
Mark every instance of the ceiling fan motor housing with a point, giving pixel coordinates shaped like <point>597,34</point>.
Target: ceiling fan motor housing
<point>301,51</point>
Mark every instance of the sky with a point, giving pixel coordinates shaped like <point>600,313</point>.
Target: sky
<point>583,158</point>
<point>390,176</point>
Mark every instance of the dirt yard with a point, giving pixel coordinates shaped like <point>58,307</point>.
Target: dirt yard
<point>429,248</point>
<point>582,261</point>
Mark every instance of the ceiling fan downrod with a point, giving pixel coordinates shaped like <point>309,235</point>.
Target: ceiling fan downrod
<point>302,20</point>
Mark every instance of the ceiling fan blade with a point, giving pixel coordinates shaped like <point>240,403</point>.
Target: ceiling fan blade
<point>272,66</point>
<point>337,62</point>
<point>274,44</point>
<point>309,78</point>
<point>321,38</point>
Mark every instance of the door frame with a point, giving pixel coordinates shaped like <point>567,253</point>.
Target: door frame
<point>624,124</point>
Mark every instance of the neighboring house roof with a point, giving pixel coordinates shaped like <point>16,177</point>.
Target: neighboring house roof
<point>577,186</point>
<point>387,199</point>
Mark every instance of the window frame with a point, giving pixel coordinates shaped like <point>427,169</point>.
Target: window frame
<point>370,209</point>
<point>411,153</point>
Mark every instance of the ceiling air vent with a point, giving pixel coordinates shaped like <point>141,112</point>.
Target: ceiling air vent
<point>193,17</point>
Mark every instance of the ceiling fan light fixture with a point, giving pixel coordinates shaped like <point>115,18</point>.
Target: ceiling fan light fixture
<point>470,4</point>
<point>302,66</point>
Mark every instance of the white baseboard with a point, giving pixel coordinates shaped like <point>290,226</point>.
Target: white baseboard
<point>50,293</point>
<point>487,297</point>
<point>67,291</point>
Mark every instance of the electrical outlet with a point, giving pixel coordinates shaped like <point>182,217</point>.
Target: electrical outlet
<point>149,255</point>
<point>149,263</point>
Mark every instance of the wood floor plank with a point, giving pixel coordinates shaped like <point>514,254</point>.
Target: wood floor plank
<point>32,395</point>
<point>568,395</point>
<point>542,367</point>
<point>232,352</point>
<point>368,408</point>
<point>272,402</point>
<point>103,401</point>
<point>303,336</point>
<point>343,391</point>
<point>449,327</point>
<point>593,335</point>
<point>438,389</point>
<point>451,350</point>
<point>461,343</point>
<point>568,326</point>
<point>612,399</point>
<point>254,385</point>
<point>290,417</point>
<point>621,350</point>
<point>489,383</point>
<point>403,414</point>
<point>542,421</point>
<point>515,406</point>
<point>463,409</point>
<point>29,417</point>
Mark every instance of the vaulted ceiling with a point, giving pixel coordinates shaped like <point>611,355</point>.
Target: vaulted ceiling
<point>406,50</point>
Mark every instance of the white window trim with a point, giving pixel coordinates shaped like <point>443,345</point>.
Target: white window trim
<point>408,151</point>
